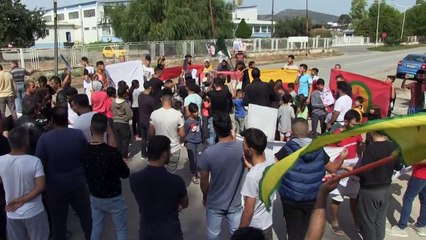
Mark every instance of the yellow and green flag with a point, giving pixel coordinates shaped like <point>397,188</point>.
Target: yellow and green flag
<point>408,132</point>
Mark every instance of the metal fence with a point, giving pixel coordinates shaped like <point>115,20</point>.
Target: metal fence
<point>43,59</point>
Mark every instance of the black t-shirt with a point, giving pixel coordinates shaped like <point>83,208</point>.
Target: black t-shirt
<point>380,176</point>
<point>221,101</point>
<point>146,107</point>
<point>104,166</point>
<point>158,194</point>
<point>156,84</point>
<point>4,145</point>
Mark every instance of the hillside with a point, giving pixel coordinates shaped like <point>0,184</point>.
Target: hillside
<point>316,17</point>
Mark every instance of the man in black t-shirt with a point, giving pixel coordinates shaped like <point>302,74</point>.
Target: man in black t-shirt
<point>156,84</point>
<point>146,107</point>
<point>160,195</point>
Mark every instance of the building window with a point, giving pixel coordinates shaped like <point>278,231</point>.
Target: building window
<point>73,15</point>
<point>106,31</point>
<point>89,13</point>
<point>61,17</point>
<point>46,31</point>
<point>48,18</point>
<point>256,29</point>
<point>86,29</point>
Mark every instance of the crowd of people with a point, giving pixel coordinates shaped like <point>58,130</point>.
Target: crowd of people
<point>60,148</point>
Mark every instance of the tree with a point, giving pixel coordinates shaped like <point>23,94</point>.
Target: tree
<point>390,21</point>
<point>344,19</point>
<point>19,26</point>
<point>415,21</point>
<point>291,27</point>
<point>418,2</point>
<point>358,15</point>
<point>153,20</point>
<point>243,30</point>
<point>322,32</point>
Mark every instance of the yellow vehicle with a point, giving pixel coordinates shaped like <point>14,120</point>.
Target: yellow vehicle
<point>114,51</point>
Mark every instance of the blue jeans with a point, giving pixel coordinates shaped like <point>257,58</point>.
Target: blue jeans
<point>214,221</point>
<point>415,187</point>
<point>20,94</point>
<point>115,206</point>
<point>212,135</point>
<point>413,110</point>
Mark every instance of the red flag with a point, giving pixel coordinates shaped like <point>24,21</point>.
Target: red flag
<point>174,72</point>
<point>372,90</point>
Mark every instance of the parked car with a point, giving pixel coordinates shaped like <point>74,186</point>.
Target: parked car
<point>410,65</point>
<point>114,52</point>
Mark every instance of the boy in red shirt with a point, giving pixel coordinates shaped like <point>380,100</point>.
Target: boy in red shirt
<point>348,186</point>
<point>416,186</point>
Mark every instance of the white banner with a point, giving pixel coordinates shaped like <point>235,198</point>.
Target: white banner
<point>127,71</point>
<point>263,118</point>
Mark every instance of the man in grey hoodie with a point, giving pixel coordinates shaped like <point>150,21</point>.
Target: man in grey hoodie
<point>121,115</point>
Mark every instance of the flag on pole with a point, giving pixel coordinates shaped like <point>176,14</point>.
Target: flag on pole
<point>406,131</point>
<point>221,49</point>
<point>372,90</point>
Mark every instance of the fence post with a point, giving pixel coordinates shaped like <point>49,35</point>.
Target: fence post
<point>184,48</point>
<point>260,44</point>
<point>152,49</point>
<point>161,48</point>
<point>21,58</point>
<point>192,52</point>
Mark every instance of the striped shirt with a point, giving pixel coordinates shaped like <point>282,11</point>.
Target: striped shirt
<point>19,74</point>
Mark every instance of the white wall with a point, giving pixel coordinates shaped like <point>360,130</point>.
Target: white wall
<point>246,13</point>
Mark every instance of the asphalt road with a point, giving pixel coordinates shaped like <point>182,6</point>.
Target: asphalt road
<point>355,59</point>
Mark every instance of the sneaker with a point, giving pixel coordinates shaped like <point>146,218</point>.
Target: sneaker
<point>421,231</point>
<point>396,231</point>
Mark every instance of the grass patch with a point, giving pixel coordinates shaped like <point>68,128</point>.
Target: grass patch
<point>394,48</point>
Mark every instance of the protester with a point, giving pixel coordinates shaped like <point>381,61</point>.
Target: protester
<point>348,187</point>
<point>112,95</point>
<point>99,98</point>
<point>133,98</point>
<point>341,106</point>
<point>168,122</point>
<point>168,88</point>
<point>121,114</point>
<point>30,88</point>
<point>28,120</point>
<point>290,63</point>
<point>146,106</point>
<point>240,111</point>
<point>257,92</point>
<point>390,80</point>
<point>338,66</point>
<point>4,149</point>
<point>60,98</point>
<point>8,93</point>
<point>160,195</point>
<point>319,112</point>
<point>304,80</point>
<point>220,102</point>
<point>156,85</point>
<point>60,151</point>
<point>208,68</point>
<point>221,170</point>
<point>103,75</point>
<point>375,192</point>
<point>300,185</point>
<point>192,97</point>
<point>301,107</point>
<point>224,66</point>
<point>417,89</point>
<point>315,77</point>
<point>291,90</point>
<point>255,213</point>
<point>416,186</point>
<point>86,65</point>
<point>104,166</point>
<point>285,117</point>
<point>148,71</point>
<point>19,74</point>
<point>193,140</point>
<point>161,62</point>
<point>358,106</point>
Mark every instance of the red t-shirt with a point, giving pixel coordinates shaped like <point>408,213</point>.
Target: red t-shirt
<point>419,171</point>
<point>108,104</point>
<point>417,96</point>
<point>98,102</point>
<point>351,144</point>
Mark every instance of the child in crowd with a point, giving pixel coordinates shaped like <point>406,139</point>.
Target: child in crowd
<point>358,105</point>
<point>374,113</point>
<point>112,94</point>
<point>205,112</point>
<point>293,93</point>
<point>104,166</point>
<point>87,83</point>
<point>285,117</point>
<point>133,97</point>
<point>315,77</point>
<point>240,111</point>
<point>193,140</point>
<point>319,112</point>
<point>302,108</point>
<point>390,80</point>
<point>122,114</point>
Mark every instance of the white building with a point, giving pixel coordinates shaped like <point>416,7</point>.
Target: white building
<point>260,28</point>
<point>83,22</point>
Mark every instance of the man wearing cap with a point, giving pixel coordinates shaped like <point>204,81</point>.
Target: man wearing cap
<point>19,79</point>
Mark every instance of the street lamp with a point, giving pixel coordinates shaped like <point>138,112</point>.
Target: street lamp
<point>378,21</point>
<point>55,26</point>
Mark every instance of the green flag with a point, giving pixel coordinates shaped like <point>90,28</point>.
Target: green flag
<point>221,49</point>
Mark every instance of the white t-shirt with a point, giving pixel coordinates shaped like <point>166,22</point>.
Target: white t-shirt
<point>262,218</point>
<point>167,122</point>
<point>90,69</point>
<point>72,116</point>
<point>147,72</point>
<point>18,174</point>
<point>135,96</point>
<point>342,105</point>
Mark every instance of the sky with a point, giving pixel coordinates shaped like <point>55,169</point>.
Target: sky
<point>336,7</point>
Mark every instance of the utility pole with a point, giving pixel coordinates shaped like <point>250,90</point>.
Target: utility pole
<point>55,26</point>
<point>212,19</point>
<point>378,21</point>
<point>307,18</point>
<point>272,18</point>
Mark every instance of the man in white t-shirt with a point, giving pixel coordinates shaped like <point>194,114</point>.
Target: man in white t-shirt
<point>168,122</point>
<point>148,71</point>
<point>24,181</point>
<point>342,105</point>
<point>255,213</point>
